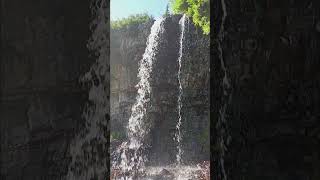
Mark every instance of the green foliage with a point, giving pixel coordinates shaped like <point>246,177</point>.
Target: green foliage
<point>131,20</point>
<point>198,10</point>
<point>117,136</point>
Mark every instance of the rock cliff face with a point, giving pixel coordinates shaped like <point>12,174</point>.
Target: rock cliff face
<point>128,48</point>
<point>196,84</point>
<point>43,55</point>
<point>270,128</point>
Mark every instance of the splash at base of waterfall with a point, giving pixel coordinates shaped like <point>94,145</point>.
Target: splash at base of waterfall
<point>172,172</point>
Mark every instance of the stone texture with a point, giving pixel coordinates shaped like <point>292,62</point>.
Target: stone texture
<point>43,55</point>
<point>271,52</point>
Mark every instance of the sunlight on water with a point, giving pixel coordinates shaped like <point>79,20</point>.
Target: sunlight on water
<point>132,159</point>
<point>178,135</point>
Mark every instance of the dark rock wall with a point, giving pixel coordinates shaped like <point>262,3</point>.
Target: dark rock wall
<point>43,55</point>
<point>271,128</point>
<point>164,93</point>
<point>195,74</point>
<point>89,148</point>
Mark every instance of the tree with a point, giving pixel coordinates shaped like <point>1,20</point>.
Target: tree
<point>131,20</point>
<point>167,13</point>
<point>198,10</point>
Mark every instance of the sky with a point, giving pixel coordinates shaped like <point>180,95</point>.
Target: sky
<point>123,8</point>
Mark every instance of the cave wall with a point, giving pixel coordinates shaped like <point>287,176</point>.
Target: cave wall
<point>270,129</point>
<point>43,55</point>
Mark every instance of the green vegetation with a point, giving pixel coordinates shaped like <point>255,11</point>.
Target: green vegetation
<point>131,20</point>
<point>117,136</point>
<point>198,10</point>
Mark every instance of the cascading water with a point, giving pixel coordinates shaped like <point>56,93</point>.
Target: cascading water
<point>130,160</point>
<point>133,164</point>
<point>178,135</point>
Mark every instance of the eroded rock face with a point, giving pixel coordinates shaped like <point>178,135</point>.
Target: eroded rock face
<point>270,49</point>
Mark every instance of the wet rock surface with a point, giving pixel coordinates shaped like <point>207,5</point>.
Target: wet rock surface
<point>271,128</point>
<point>164,174</point>
<point>43,53</point>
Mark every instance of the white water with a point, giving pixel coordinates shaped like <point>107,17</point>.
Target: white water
<point>137,127</point>
<point>178,135</point>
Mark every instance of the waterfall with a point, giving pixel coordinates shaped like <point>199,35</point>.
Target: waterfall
<point>178,135</point>
<point>132,159</point>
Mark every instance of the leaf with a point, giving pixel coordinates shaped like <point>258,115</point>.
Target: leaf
<point>198,10</point>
